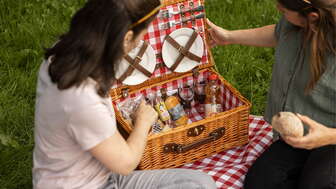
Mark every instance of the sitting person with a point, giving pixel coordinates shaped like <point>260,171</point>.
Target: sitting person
<point>303,82</point>
<point>77,144</point>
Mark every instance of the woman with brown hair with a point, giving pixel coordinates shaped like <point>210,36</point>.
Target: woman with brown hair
<point>303,82</point>
<point>77,144</point>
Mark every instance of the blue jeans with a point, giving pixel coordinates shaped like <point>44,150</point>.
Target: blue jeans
<point>161,179</point>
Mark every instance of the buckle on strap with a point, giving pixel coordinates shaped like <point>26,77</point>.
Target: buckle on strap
<point>182,51</point>
<point>137,59</point>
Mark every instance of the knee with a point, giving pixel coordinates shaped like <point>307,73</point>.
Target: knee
<point>318,182</point>
<point>195,179</point>
<point>262,177</point>
<point>320,169</point>
<point>205,181</point>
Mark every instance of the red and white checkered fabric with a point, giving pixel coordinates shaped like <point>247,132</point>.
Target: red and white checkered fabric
<point>155,37</point>
<point>228,99</point>
<point>228,168</point>
<point>155,34</point>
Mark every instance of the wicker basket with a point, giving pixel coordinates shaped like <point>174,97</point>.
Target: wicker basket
<point>199,139</point>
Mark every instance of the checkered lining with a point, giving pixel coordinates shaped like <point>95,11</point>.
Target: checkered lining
<point>155,37</point>
<point>228,99</point>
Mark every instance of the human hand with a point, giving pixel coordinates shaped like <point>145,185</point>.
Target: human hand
<point>219,36</point>
<point>318,136</point>
<point>145,115</point>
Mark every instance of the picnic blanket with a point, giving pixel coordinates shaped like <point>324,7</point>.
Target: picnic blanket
<point>228,168</point>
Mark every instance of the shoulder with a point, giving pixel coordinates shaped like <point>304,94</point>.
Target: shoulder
<point>283,27</point>
<point>72,100</point>
<point>83,97</point>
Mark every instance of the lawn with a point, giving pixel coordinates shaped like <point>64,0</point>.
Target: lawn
<point>29,26</point>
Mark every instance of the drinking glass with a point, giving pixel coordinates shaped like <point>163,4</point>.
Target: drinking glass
<point>199,89</point>
<point>186,95</point>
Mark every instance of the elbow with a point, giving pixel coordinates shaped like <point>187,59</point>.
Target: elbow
<point>124,168</point>
<point>125,172</point>
<point>129,167</point>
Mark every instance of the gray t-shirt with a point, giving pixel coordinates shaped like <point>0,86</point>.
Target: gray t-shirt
<point>291,75</point>
<point>67,124</point>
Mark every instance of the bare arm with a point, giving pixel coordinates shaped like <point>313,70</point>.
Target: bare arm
<point>259,37</point>
<point>122,156</point>
<point>333,136</point>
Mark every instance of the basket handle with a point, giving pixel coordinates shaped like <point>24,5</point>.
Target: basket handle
<point>179,148</point>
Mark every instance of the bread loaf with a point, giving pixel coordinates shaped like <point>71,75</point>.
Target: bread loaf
<point>288,124</point>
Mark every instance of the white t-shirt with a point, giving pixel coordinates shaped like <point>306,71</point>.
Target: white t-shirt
<point>67,124</point>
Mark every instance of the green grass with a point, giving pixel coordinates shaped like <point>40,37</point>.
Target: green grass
<point>28,26</point>
<point>247,68</point>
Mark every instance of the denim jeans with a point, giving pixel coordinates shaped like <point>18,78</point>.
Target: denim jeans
<point>161,179</point>
<point>284,167</point>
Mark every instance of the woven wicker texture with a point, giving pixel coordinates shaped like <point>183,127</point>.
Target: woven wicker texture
<point>234,119</point>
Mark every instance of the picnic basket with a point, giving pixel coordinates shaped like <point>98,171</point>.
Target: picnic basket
<point>205,135</point>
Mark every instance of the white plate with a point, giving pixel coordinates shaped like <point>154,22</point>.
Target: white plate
<point>170,53</point>
<point>148,62</point>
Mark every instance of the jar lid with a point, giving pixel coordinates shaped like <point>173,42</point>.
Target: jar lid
<point>213,76</point>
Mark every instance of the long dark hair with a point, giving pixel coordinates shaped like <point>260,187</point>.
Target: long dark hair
<point>321,34</point>
<point>94,42</point>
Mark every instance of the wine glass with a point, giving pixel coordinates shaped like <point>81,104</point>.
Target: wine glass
<point>199,89</point>
<point>186,95</point>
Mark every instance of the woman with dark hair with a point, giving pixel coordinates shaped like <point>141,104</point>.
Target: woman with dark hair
<point>77,144</point>
<point>303,82</point>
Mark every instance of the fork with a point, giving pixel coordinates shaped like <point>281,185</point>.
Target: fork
<point>165,26</point>
<point>166,13</point>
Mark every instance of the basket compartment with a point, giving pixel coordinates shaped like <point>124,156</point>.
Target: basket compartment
<point>227,98</point>
<point>234,120</point>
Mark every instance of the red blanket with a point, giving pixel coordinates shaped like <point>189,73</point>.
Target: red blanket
<point>228,168</point>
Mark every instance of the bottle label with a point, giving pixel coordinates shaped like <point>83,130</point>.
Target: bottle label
<point>176,112</point>
<point>211,109</point>
<point>157,127</point>
<point>219,108</point>
<point>162,110</point>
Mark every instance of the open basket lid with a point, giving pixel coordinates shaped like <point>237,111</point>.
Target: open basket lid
<point>181,27</point>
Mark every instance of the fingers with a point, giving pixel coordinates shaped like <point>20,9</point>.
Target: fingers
<point>291,141</point>
<point>143,102</point>
<point>211,25</point>
<point>144,107</point>
<point>306,120</point>
<point>146,116</point>
<point>211,32</point>
<point>212,42</point>
<point>296,141</point>
<point>301,142</point>
<point>303,118</point>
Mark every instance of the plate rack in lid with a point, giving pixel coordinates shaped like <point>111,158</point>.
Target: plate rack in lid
<point>155,36</point>
<point>205,135</point>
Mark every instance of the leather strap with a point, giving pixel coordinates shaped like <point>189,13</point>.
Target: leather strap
<point>184,51</point>
<point>135,64</point>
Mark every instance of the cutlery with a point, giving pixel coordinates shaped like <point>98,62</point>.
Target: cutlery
<point>170,24</point>
<point>167,14</point>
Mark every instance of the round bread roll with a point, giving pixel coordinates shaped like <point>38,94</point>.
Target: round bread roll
<point>288,124</point>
